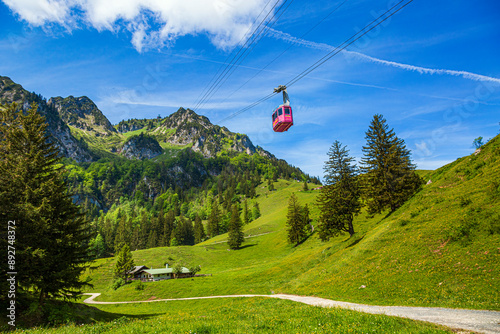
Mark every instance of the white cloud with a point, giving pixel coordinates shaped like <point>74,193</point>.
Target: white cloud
<point>40,12</point>
<point>153,23</point>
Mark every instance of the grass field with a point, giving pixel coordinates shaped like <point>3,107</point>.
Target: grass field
<point>237,315</point>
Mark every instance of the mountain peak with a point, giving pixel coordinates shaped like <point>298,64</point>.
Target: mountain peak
<point>82,113</point>
<point>185,116</point>
<point>11,91</point>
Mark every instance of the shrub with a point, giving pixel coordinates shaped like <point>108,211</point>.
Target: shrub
<point>140,286</point>
<point>118,283</point>
<point>464,202</point>
<point>492,223</point>
<point>493,190</point>
<point>463,231</point>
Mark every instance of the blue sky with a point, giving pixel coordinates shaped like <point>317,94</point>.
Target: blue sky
<point>432,69</point>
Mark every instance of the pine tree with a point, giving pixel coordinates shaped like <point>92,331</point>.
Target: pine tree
<point>108,231</point>
<point>306,217</point>
<point>389,175</point>
<point>124,263</point>
<point>270,185</point>
<point>152,242</point>
<point>305,186</point>
<point>255,211</point>
<point>235,230</point>
<point>122,235</point>
<point>51,235</point>
<point>185,231</point>
<point>199,230</point>
<point>246,213</point>
<point>97,247</point>
<point>160,226</point>
<point>168,227</point>
<point>339,200</point>
<point>213,221</point>
<point>296,225</point>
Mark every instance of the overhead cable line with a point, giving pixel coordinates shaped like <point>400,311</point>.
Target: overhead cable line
<point>369,27</point>
<point>237,59</point>
<point>261,35</point>
<point>226,63</point>
<point>349,41</point>
<point>284,51</point>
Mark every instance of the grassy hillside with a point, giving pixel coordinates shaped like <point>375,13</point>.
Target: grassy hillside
<point>440,249</point>
<point>238,315</point>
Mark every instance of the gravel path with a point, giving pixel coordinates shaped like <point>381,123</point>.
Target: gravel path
<point>474,320</point>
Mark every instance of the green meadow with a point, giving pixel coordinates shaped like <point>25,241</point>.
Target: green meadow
<point>236,315</point>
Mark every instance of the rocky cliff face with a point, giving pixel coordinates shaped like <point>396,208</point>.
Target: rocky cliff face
<point>141,147</point>
<point>11,92</point>
<point>82,113</point>
<point>190,128</point>
<point>68,145</point>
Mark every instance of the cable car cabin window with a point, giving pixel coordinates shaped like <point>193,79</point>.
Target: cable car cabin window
<point>287,111</point>
<point>274,117</point>
<point>280,111</point>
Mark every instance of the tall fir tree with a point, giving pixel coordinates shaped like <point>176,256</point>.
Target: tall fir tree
<point>306,217</point>
<point>51,235</point>
<point>108,231</point>
<point>255,211</point>
<point>160,228</point>
<point>389,177</point>
<point>339,200</point>
<point>296,223</point>
<point>152,239</point>
<point>199,230</point>
<point>213,221</point>
<point>246,213</point>
<point>168,227</point>
<point>235,235</point>
<point>184,231</point>
<point>122,234</point>
<point>124,262</point>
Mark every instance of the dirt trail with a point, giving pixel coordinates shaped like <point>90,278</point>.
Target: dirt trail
<point>474,320</point>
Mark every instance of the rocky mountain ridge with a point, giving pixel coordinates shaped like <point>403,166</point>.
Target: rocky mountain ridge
<point>81,112</point>
<point>68,145</point>
<point>83,132</point>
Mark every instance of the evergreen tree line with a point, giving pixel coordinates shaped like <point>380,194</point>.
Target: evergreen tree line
<point>385,180</point>
<point>133,225</point>
<point>107,182</point>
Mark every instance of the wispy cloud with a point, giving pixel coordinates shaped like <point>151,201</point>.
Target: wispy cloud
<point>422,70</point>
<point>152,23</point>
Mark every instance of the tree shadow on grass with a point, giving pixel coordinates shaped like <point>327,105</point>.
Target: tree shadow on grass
<point>91,314</point>
<point>355,242</point>
<point>306,238</point>
<point>246,246</point>
<point>54,313</point>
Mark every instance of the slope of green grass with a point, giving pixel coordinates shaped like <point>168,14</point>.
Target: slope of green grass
<point>440,249</point>
<point>239,315</point>
<point>106,145</point>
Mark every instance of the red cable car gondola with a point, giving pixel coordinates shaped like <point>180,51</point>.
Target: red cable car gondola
<point>282,116</point>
